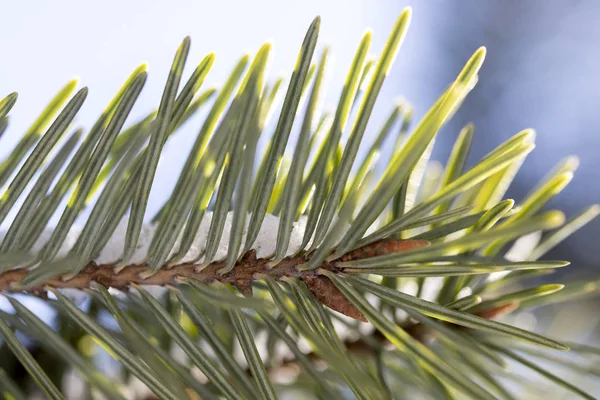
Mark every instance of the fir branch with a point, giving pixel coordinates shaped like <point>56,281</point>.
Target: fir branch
<point>354,235</point>
<point>248,269</point>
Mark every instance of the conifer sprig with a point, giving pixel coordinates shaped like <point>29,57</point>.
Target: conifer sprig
<point>249,245</point>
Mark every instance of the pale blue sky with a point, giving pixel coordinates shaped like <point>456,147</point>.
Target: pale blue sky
<point>47,43</point>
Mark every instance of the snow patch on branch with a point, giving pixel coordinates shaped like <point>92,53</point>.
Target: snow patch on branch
<point>113,250</point>
<point>264,245</point>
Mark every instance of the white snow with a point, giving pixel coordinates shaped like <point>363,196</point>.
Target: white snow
<point>264,245</point>
<point>114,247</point>
<point>69,242</point>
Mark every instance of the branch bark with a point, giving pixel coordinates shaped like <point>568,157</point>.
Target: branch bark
<point>241,276</point>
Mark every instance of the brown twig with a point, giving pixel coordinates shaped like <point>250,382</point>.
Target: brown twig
<point>241,276</point>
<point>109,276</point>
